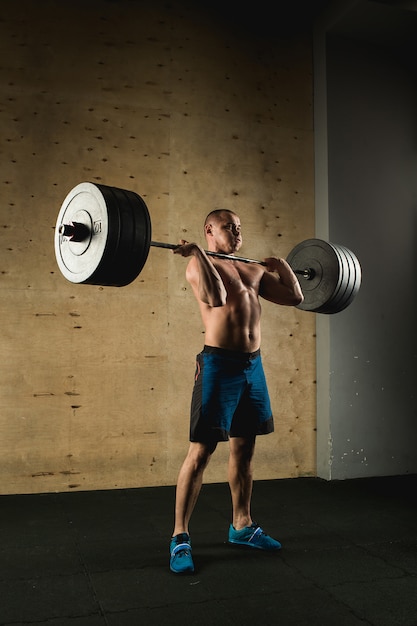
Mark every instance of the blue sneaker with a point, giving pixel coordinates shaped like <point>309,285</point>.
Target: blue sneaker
<point>181,561</point>
<point>254,537</point>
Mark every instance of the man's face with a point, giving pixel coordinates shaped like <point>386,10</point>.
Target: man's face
<point>224,233</point>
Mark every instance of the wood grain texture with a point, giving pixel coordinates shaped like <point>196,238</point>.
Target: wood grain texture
<point>179,105</point>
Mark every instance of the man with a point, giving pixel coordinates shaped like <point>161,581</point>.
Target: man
<point>230,398</point>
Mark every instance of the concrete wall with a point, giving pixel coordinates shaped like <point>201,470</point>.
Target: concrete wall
<point>367,144</point>
<point>192,108</point>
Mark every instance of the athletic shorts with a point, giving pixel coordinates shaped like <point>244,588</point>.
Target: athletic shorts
<point>230,396</point>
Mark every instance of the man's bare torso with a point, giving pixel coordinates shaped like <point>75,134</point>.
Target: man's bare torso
<point>236,325</point>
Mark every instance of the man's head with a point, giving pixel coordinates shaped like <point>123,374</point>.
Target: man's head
<point>223,231</point>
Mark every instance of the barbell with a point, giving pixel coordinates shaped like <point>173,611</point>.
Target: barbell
<point>103,236</point>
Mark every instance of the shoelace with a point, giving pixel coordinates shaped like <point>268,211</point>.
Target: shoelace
<point>181,547</point>
<point>257,531</point>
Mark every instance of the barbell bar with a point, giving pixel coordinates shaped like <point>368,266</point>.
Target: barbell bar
<point>103,236</point>
<point>230,257</point>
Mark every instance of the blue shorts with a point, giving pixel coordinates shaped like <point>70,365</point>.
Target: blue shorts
<point>230,396</point>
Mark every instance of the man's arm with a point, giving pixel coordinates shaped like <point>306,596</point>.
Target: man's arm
<point>279,284</point>
<point>202,275</point>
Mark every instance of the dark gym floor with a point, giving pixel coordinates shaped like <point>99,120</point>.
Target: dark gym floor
<point>349,557</point>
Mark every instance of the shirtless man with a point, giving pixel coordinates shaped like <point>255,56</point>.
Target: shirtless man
<point>230,398</point>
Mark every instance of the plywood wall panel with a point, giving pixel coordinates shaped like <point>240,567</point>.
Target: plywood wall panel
<point>192,111</point>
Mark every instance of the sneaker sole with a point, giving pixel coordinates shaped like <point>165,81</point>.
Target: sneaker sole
<point>182,572</point>
<point>254,546</point>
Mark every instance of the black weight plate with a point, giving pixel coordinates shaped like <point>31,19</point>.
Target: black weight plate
<point>119,241</point>
<point>108,270</point>
<point>320,257</point>
<point>139,228</point>
<point>129,238</point>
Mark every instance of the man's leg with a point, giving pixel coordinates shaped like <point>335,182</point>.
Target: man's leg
<point>190,479</point>
<point>240,474</point>
<point>243,530</point>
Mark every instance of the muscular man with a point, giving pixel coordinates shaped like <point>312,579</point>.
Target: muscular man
<point>230,398</point>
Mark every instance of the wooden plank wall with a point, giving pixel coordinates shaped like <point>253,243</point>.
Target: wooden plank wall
<point>193,110</point>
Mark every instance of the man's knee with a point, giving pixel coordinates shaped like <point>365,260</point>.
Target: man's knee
<point>200,453</point>
<point>242,446</point>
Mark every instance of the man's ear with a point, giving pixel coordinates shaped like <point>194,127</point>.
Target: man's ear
<point>208,229</point>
